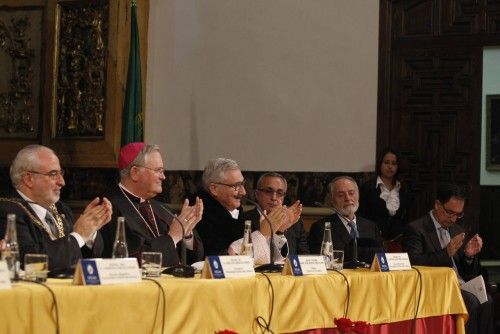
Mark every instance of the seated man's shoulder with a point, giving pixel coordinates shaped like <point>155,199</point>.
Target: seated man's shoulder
<point>419,222</point>
<point>366,221</point>
<point>12,203</point>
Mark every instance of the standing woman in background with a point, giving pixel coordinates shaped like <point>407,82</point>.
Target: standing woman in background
<point>384,199</point>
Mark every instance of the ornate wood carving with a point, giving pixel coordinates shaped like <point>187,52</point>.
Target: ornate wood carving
<point>81,79</point>
<point>430,95</point>
<point>20,49</point>
<point>78,77</point>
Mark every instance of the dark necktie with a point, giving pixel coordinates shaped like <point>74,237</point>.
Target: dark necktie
<point>354,231</point>
<point>49,219</point>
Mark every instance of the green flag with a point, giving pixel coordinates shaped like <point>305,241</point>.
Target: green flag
<point>132,120</point>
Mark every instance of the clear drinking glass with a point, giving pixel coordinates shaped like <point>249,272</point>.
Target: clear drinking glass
<point>337,260</point>
<point>36,267</point>
<point>151,264</point>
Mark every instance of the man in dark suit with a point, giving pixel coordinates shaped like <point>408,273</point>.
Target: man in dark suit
<point>148,225</point>
<point>222,221</point>
<point>436,240</point>
<point>345,225</point>
<point>290,237</point>
<point>45,224</point>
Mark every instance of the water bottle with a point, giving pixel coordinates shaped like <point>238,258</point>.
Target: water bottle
<point>120,249</point>
<point>11,252</point>
<point>327,246</point>
<point>246,244</point>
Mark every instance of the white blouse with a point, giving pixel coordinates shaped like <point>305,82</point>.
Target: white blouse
<point>391,197</point>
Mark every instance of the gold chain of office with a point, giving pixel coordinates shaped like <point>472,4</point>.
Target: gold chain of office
<point>59,221</point>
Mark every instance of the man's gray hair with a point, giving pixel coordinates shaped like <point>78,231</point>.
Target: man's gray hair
<point>271,174</point>
<point>26,160</point>
<point>343,177</point>
<point>140,159</point>
<point>215,171</point>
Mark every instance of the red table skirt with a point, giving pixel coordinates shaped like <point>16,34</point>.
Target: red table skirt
<point>441,324</point>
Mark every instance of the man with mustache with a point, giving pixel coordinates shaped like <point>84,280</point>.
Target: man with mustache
<point>45,224</point>
<point>289,236</point>
<point>344,195</point>
<point>222,221</point>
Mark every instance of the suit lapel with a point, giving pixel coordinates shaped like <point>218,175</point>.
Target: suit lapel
<point>432,233</point>
<point>32,216</point>
<point>339,228</point>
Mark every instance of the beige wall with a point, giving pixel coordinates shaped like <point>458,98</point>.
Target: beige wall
<point>287,85</point>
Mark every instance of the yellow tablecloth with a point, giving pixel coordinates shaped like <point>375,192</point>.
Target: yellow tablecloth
<point>204,306</point>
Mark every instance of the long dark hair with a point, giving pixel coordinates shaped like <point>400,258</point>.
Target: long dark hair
<point>380,159</point>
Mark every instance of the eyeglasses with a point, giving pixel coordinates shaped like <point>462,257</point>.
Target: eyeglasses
<point>158,170</point>
<point>237,186</point>
<point>450,213</point>
<point>271,192</point>
<point>53,174</point>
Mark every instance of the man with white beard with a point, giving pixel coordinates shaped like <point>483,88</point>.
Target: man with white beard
<point>344,196</point>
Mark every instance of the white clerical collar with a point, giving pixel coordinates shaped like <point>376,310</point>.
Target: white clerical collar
<point>131,193</point>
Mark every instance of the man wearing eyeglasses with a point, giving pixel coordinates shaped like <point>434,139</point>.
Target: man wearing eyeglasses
<point>45,224</point>
<point>437,240</point>
<point>149,227</point>
<point>223,189</point>
<point>289,237</point>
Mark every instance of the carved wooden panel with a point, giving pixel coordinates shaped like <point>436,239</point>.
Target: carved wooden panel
<point>436,119</point>
<point>430,93</point>
<point>411,18</point>
<point>414,18</point>
<point>81,69</point>
<point>65,71</point>
<point>20,61</point>
<point>493,16</point>
<point>461,16</point>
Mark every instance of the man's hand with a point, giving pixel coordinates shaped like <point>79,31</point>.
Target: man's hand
<point>93,218</point>
<point>473,246</point>
<point>455,244</point>
<point>189,217</point>
<point>277,217</point>
<point>293,216</point>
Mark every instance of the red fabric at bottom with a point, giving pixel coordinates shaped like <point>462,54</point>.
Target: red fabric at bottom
<point>441,324</point>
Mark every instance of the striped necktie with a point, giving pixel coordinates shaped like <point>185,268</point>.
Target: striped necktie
<point>354,231</point>
<point>51,222</point>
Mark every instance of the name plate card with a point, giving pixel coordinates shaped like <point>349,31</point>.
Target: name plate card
<point>299,265</point>
<point>4,275</point>
<point>228,266</point>
<point>391,262</point>
<point>107,271</point>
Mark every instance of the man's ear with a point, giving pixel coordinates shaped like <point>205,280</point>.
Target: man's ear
<point>134,173</point>
<point>212,189</point>
<point>436,204</point>
<point>27,180</point>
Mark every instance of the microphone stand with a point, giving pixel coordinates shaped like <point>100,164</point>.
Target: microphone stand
<point>182,269</point>
<point>271,267</point>
<point>355,263</point>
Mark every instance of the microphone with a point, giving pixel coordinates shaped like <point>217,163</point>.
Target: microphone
<point>355,263</point>
<point>179,270</point>
<point>271,267</point>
